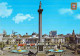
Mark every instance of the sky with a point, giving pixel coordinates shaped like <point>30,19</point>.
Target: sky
<point>22,16</point>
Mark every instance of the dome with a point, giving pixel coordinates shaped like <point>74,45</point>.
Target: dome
<point>33,33</point>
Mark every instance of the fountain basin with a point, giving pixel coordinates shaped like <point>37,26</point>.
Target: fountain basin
<point>21,51</point>
<point>52,50</point>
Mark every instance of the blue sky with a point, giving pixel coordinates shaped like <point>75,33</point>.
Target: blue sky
<point>22,16</point>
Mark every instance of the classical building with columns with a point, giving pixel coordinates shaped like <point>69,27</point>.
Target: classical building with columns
<point>33,39</point>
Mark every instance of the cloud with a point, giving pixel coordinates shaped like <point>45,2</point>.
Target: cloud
<point>4,10</point>
<point>65,11</point>
<point>21,17</point>
<point>78,4</point>
<point>78,16</point>
<point>78,7</point>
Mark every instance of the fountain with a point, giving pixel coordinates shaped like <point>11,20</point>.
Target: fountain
<point>18,50</point>
<point>56,49</point>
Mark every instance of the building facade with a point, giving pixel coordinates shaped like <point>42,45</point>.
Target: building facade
<point>33,39</point>
<point>52,33</point>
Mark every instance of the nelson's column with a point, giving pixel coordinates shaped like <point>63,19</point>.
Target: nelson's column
<point>40,22</point>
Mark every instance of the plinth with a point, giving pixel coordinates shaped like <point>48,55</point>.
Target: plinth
<point>40,47</point>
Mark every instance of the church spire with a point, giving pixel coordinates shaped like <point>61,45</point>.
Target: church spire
<point>73,33</point>
<point>40,5</point>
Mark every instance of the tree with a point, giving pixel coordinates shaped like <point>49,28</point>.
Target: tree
<point>67,39</point>
<point>15,46</point>
<point>24,46</point>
